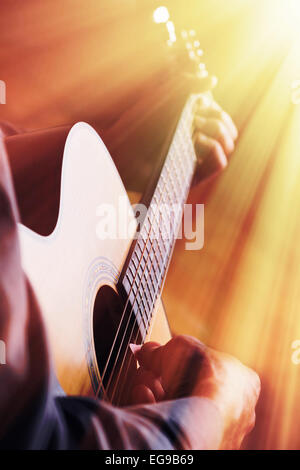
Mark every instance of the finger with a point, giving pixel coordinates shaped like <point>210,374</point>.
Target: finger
<point>217,130</point>
<point>209,108</point>
<point>201,83</point>
<point>150,357</point>
<point>256,385</point>
<point>251,423</point>
<point>134,348</point>
<point>226,117</point>
<point>210,155</point>
<point>203,103</point>
<point>230,124</point>
<point>141,394</point>
<point>147,378</point>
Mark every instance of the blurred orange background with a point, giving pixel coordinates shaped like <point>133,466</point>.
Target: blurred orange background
<point>104,62</point>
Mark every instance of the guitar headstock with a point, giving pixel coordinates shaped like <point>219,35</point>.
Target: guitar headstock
<point>183,47</point>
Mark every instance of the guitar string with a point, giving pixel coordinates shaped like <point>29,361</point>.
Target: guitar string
<point>182,196</point>
<point>146,271</point>
<point>126,305</point>
<point>127,302</point>
<point>142,277</point>
<point>158,289</point>
<point>148,256</point>
<point>165,183</point>
<point>124,310</point>
<point>156,296</point>
<point>191,112</point>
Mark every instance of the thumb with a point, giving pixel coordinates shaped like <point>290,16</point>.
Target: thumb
<point>150,357</point>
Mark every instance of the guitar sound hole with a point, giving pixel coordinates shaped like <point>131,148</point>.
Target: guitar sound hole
<point>111,344</point>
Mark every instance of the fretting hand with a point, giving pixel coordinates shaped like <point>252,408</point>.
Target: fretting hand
<point>214,132</point>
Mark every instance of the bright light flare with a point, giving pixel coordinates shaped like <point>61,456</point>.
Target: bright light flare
<point>171,30</point>
<point>161,15</point>
<point>292,15</point>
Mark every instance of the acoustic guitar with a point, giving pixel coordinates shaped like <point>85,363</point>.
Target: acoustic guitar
<point>98,295</point>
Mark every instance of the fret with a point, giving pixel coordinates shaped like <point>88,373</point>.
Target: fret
<point>138,314</point>
<point>147,225</point>
<point>159,190</point>
<point>138,306</point>
<point>148,249</point>
<point>135,260</point>
<point>146,298</point>
<point>140,321</point>
<point>158,256</point>
<point>151,214</point>
<point>143,235</point>
<point>177,187</point>
<point>130,276</point>
<point>142,309</point>
<point>139,274</point>
<point>165,181</point>
<point>172,168</point>
<point>163,226</point>
<point>166,229</point>
<point>169,199</point>
<point>155,280</point>
<point>184,163</point>
<point>151,285</point>
<point>138,250</point>
<point>143,263</point>
<point>169,183</point>
<point>134,288</point>
<point>156,215</point>
<point>162,241</point>
<point>176,178</point>
<point>141,243</point>
<point>156,260</point>
<point>181,169</point>
<point>156,199</point>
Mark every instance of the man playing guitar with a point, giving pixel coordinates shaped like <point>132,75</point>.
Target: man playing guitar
<point>206,403</point>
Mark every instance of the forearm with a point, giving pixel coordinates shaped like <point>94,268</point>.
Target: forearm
<point>24,372</point>
<point>188,424</point>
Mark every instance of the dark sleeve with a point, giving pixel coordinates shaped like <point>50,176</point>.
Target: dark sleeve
<point>188,423</point>
<point>72,423</point>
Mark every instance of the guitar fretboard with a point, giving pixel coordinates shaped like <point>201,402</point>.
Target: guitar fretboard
<point>146,271</point>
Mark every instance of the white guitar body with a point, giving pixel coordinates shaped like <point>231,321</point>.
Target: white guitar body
<point>68,267</point>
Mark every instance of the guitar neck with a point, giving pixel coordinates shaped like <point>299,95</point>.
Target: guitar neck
<point>149,260</point>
